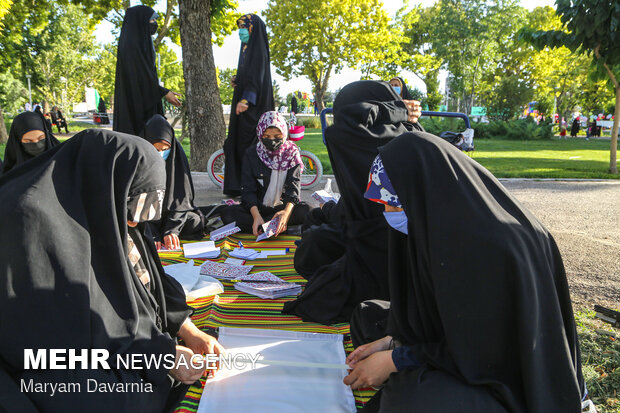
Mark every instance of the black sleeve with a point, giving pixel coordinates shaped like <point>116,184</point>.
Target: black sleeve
<point>177,309</point>
<point>152,230</point>
<point>292,186</point>
<point>174,222</point>
<point>249,187</point>
<point>371,113</point>
<point>332,212</point>
<point>163,91</point>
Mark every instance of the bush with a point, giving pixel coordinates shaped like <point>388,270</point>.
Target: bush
<point>313,122</point>
<point>519,129</point>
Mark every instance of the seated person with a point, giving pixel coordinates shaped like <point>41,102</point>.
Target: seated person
<point>180,218</point>
<point>90,279</point>
<point>488,328</point>
<point>28,138</point>
<point>270,180</point>
<point>345,258</point>
<point>58,119</point>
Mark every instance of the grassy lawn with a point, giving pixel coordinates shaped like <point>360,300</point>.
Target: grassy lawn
<point>572,158</point>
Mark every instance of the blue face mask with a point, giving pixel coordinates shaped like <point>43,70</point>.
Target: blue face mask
<point>397,90</point>
<point>165,154</point>
<point>244,35</point>
<point>397,220</point>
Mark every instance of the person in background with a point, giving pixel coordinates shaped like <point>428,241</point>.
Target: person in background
<point>401,88</point>
<point>252,96</point>
<point>103,112</point>
<point>271,182</point>
<point>574,130</point>
<point>28,107</point>
<point>294,107</point>
<point>58,119</point>
<point>137,93</point>
<point>447,340</point>
<point>28,138</point>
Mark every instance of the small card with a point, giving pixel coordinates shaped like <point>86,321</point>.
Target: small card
<point>204,249</point>
<point>323,196</point>
<point>244,253</point>
<point>224,231</point>
<point>234,261</point>
<point>269,229</point>
<point>225,271</point>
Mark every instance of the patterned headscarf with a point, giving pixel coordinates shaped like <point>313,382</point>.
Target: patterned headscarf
<point>145,206</point>
<point>379,187</point>
<point>287,156</point>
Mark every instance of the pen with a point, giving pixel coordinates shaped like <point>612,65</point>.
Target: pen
<point>240,244</point>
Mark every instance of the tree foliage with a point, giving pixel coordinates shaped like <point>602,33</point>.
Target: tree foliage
<point>320,37</point>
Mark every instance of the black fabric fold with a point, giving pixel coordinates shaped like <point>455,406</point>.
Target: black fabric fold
<point>14,153</point>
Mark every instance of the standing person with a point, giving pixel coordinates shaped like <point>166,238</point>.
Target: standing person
<point>574,130</point>
<point>315,106</point>
<point>103,112</point>
<point>28,107</point>
<point>563,129</point>
<point>252,96</point>
<point>294,106</point>
<point>488,328</point>
<point>137,93</point>
<point>271,182</point>
<point>28,138</point>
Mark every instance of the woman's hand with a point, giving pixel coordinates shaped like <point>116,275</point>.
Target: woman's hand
<point>366,350</point>
<point>373,371</point>
<point>241,107</point>
<point>171,242</point>
<point>284,216</point>
<point>171,97</point>
<point>256,226</point>
<point>414,110</point>
<point>198,341</point>
<point>158,245</point>
<point>189,374</point>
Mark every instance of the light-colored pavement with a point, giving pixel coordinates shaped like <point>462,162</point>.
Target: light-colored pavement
<point>583,216</point>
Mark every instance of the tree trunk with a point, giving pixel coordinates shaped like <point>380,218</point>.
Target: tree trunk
<point>207,128</point>
<point>613,166</point>
<point>4,136</point>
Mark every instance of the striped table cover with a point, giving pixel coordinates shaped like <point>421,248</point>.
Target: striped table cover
<point>236,309</point>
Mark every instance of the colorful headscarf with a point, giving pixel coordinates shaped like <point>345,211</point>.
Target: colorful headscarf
<point>287,156</point>
<point>379,187</point>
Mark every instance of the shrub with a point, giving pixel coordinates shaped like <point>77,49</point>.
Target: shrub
<point>519,129</point>
<point>313,122</point>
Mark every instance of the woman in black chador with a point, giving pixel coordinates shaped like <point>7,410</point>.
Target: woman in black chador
<point>137,93</point>
<point>78,270</point>
<point>28,138</point>
<point>345,260</point>
<point>252,97</point>
<point>480,317</point>
<point>180,218</point>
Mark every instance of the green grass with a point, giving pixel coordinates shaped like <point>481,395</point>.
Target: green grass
<point>600,362</point>
<point>571,158</point>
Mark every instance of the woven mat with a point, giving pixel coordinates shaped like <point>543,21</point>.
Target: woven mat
<point>236,309</point>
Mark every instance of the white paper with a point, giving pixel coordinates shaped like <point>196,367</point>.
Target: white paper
<point>234,261</point>
<point>204,249</point>
<point>224,231</point>
<point>267,254</point>
<point>244,253</point>
<point>205,287</point>
<point>279,388</point>
<point>194,285</point>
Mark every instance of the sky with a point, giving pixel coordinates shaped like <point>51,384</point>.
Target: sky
<point>227,55</point>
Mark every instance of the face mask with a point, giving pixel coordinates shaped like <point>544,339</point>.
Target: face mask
<point>34,148</point>
<point>397,220</point>
<point>272,145</point>
<point>244,35</point>
<point>153,28</point>
<point>165,154</point>
<point>397,90</point>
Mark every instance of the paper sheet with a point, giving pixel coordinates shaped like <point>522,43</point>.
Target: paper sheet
<point>269,229</point>
<point>224,271</point>
<point>224,231</point>
<point>244,253</point>
<point>204,249</point>
<point>279,388</point>
<point>194,285</point>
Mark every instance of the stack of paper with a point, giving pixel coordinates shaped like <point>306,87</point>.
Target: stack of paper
<point>280,288</point>
<point>224,231</point>
<point>323,196</point>
<point>194,285</point>
<point>269,229</point>
<point>244,253</point>
<point>204,249</point>
<point>224,271</point>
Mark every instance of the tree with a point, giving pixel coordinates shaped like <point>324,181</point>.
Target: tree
<point>321,37</point>
<point>226,90</point>
<point>592,27</point>
<point>206,123</point>
<point>12,96</point>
